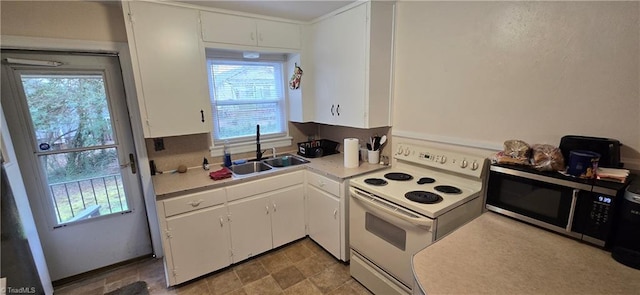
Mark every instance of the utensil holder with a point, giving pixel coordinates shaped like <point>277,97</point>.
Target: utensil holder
<point>373,156</point>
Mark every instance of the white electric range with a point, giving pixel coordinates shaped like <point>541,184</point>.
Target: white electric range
<point>395,213</point>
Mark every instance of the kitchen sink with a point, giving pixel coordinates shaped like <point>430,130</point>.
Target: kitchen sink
<point>248,168</point>
<point>285,160</point>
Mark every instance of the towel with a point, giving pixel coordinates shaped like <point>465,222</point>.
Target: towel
<point>220,174</point>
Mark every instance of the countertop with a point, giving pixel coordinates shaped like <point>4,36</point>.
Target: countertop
<point>494,254</point>
<point>173,184</point>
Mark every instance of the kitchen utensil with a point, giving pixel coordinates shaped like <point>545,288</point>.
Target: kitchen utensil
<point>383,139</point>
<point>369,146</point>
<point>376,143</point>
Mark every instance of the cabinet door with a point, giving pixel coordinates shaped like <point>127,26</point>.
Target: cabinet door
<point>324,219</point>
<point>250,225</point>
<point>278,34</point>
<point>166,49</point>
<point>199,243</point>
<point>231,29</point>
<point>349,85</point>
<point>287,218</point>
<point>324,49</point>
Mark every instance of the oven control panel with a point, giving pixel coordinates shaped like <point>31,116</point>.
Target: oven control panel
<point>454,161</point>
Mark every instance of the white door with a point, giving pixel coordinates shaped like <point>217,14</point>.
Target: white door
<point>199,242</point>
<point>250,226</point>
<point>287,218</point>
<point>68,117</point>
<point>324,219</point>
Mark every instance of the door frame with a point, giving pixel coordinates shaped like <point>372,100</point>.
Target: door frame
<point>122,50</point>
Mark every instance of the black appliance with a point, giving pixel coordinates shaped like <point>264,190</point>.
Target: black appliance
<point>580,208</point>
<point>626,245</point>
<point>609,149</point>
<point>317,148</point>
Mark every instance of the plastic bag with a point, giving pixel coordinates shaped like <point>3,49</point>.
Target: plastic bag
<point>515,152</point>
<point>517,149</point>
<point>547,158</point>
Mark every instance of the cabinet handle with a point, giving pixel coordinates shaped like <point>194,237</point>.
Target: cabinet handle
<point>274,207</point>
<point>253,36</point>
<point>320,183</point>
<point>196,203</point>
<point>332,110</point>
<point>335,213</point>
<point>221,222</point>
<point>267,207</point>
<point>338,110</point>
<point>260,36</point>
<point>202,115</point>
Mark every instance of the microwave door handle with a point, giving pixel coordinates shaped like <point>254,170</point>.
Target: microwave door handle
<point>572,211</point>
<point>422,222</point>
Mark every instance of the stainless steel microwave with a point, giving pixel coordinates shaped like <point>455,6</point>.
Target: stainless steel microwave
<point>574,208</point>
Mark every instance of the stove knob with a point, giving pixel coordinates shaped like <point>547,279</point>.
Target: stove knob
<point>474,165</point>
<point>464,164</point>
<point>443,160</point>
<point>399,150</point>
<point>407,151</point>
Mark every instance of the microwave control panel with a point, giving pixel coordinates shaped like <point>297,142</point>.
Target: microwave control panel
<point>596,210</point>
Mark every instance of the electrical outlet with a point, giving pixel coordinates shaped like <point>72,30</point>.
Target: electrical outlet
<point>158,144</point>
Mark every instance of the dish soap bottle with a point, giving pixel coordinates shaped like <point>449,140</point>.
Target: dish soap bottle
<point>227,154</point>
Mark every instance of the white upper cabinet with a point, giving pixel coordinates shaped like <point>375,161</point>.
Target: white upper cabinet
<point>239,30</point>
<point>166,48</point>
<point>351,55</point>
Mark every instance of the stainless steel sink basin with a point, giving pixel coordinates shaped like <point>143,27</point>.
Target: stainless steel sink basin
<point>248,168</point>
<point>285,161</point>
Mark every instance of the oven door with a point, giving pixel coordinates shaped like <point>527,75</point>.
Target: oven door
<point>544,201</point>
<point>387,235</point>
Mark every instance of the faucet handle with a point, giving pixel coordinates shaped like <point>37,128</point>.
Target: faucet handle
<point>273,152</point>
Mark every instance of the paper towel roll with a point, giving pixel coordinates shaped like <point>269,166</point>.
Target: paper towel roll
<point>351,152</point>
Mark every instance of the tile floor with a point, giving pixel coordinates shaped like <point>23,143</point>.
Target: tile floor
<point>301,267</point>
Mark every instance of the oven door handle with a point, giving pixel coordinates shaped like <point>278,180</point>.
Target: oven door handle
<point>375,203</point>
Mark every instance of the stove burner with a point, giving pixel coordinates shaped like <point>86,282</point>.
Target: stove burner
<point>447,189</point>
<point>398,176</point>
<point>376,181</point>
<point>423,197</point>
<point>426,180</point>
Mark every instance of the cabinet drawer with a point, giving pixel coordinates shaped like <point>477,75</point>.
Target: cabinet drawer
<point>264,185</point>
<point>193,202</point>
<point>324,183</point>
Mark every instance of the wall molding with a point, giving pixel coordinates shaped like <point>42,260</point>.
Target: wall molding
<point>463,142</point>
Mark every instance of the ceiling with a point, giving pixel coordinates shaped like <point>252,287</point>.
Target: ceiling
<point>294,10</point>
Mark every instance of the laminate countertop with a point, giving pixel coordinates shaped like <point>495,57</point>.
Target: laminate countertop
<point>494,254</point>
<point>174,184</point>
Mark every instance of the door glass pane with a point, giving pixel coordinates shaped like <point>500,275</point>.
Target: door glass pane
<point>68,111</point>
<point>394,235</point>
<point>84,184</point>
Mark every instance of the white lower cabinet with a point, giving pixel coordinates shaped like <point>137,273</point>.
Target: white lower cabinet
<point>199,242</point>
<point>324,219</point>
<point>263,221</point>
<point>327,214</point>
<point>196,236</point>
<point>251,225</point>
<point>206,231</point>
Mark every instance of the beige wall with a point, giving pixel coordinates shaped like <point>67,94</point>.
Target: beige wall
<point>81,20</point>
<point>482,72</point>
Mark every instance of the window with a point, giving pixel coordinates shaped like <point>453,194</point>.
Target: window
<point>245,94</point>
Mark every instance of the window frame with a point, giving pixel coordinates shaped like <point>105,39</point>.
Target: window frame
<point>248,143</point>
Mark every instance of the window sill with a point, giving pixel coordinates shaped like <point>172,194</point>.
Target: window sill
<point>245,147</point>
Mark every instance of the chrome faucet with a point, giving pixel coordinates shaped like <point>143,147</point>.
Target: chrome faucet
<point>273,152</point>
